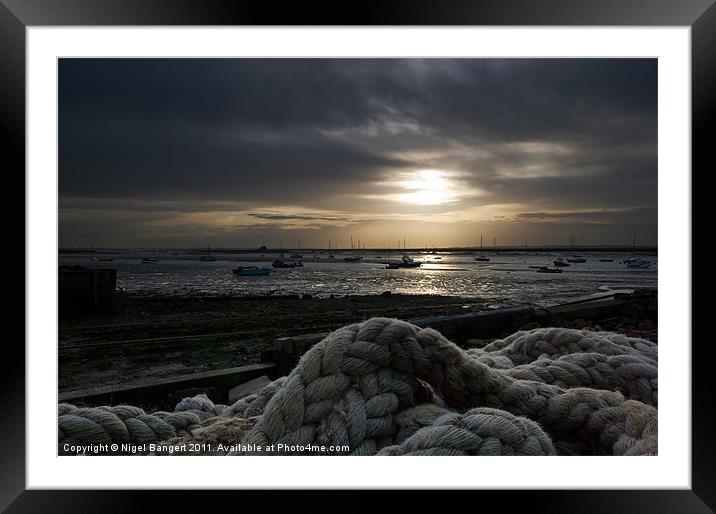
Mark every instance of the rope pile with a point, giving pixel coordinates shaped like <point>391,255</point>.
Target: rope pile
<point>386,387</point>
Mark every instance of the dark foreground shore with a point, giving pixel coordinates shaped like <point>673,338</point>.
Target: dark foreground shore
<point>150,337</point>
<point>162,336</point>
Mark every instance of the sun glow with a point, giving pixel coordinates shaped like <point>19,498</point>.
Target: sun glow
<point>427,187</point>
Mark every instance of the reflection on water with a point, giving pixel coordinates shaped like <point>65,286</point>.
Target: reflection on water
<point>506,279</point>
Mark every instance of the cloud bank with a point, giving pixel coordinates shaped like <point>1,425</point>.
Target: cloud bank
<point>233,152</point>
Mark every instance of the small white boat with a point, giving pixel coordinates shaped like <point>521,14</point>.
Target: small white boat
<point>559,261</point>
<point>577,259</point>
<point>149,260</point>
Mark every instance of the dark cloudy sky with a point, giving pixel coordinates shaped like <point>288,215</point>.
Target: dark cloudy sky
<point>238,152</point>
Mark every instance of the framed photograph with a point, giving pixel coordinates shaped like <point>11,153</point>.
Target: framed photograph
<point>442,247</point>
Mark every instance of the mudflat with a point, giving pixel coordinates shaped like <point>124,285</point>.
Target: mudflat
<point>154,336</point>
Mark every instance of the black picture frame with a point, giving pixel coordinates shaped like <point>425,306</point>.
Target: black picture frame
<point>17,15</point>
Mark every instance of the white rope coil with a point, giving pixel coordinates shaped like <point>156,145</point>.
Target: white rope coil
<point>387,387</point>
<point>481,431</point>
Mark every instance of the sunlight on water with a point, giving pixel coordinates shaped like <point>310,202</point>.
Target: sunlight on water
<point>506,279</point>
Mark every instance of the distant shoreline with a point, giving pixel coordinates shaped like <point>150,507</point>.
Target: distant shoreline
<point>457,250</point>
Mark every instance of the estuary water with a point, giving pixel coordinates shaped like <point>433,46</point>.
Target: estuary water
<point>508,278</point>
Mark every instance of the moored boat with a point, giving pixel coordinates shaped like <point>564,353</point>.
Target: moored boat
<point>545,269</point>
<point>637,263</point>
<point>405,262</point>
<point>559,261</point>
<point>482,258</point>
<point>283,264</point>
<point>149,260</point>
<point>577,259</point>
<point>208,257</point>
<point>251,271</point>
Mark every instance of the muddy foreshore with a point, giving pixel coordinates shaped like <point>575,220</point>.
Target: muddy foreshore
<point>151,336</point>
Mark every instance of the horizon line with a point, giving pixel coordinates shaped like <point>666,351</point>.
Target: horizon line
<point>379,248</point>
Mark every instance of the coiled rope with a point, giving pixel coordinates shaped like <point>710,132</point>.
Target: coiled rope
<point>386,387</point>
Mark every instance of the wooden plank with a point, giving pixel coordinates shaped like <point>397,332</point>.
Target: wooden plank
<point>298,344</point>
<point>595,310</point>
<point>461,327</point>
<point>498,322</point>
<point>457,328</point>
<point>156,389</point>
<point>596,296</point>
